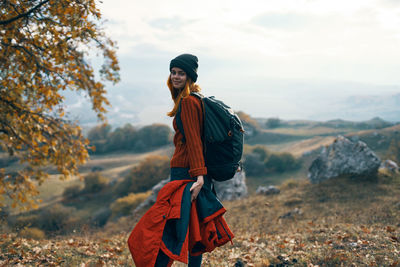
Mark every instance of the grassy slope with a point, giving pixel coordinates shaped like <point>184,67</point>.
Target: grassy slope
<point>114,167</point>
<point>340,221</point>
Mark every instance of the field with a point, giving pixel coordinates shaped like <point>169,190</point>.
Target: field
<point>337,223</point>
<point>112,166</point>
<point>342,222</point>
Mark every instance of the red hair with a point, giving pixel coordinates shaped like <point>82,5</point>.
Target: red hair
<point>178,94</point>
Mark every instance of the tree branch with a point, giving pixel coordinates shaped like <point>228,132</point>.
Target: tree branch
<point>7,21</point>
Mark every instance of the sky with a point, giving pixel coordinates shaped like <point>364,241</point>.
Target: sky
<point>292,59</point>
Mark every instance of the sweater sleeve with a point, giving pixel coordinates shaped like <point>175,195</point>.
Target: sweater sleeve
<point>191,116</point>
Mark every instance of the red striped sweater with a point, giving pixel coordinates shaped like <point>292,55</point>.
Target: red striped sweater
<point>190,154</point>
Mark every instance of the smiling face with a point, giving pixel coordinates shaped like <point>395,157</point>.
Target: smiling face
<point>178,78</point>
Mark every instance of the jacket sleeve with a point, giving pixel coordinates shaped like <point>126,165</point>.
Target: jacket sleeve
<point>191,116</point>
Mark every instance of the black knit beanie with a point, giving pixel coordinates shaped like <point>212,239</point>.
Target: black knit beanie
<point>187,62</point>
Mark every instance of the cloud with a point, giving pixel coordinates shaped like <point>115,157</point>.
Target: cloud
<point>174,23</point>
<point>390,3</point>
<point>284,21</point>
<point>316,48</point>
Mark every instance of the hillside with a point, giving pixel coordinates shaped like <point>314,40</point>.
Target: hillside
<point>285,134</point>
<point>338,221</point>
<point>342,221</point>
<point>113,166</point>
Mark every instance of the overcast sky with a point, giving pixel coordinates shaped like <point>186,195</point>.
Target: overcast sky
<point>285,58</point>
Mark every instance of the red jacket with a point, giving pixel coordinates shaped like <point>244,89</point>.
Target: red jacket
<point>177,226</point>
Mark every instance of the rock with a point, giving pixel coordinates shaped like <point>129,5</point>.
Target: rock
<point>344,157</point>
<point>267,190</point>
<point>153,197</point>
<point>239,263</point>
<point>284,260</point>
<point>234,188</point>
<point>355,138</point>
<point>291,213</point>
<point>390,166</point>
<point>228,190</point>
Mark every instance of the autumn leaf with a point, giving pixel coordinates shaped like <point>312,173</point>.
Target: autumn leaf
<point>43,51</point>
<point>390,229</point>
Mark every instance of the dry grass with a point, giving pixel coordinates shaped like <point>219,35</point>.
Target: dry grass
<point>337,222</point>
<point>308,131</point>
<point>340,222</point>
<point>298,148</point>
<point>114,167</point>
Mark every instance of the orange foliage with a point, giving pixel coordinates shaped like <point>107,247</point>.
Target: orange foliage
<point>44,46</point>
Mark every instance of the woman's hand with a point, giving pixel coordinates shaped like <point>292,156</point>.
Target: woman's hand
<point>196,187</point>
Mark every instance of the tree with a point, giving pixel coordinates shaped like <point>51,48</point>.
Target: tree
<point>145,175</point>
<point>44,50</point>
<point>273,123</point>
<point>154,135</point>
<point>99,132</point>
<point>247,120</point>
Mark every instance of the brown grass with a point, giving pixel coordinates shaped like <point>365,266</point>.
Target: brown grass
<point>308,130</point>
<point>338,222</point>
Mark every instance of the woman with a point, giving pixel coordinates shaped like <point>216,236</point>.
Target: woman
<point>186,219</point>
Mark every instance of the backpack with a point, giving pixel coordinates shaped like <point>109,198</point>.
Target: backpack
<point>222,138</point>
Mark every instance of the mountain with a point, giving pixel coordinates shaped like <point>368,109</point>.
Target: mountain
<point>364,107</point>
<point>130,103</point>
<point>145,104</point>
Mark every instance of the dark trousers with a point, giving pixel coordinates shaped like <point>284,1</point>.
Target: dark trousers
<point>162,260</point>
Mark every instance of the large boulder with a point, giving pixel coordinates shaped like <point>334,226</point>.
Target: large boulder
<point>227,190</point>
<point>153,197</point>
<point>234,188</point>
<point>344,157</point>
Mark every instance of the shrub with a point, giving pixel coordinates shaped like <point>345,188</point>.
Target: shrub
<point>273,123</point>
<point>260,161</point>
<point>34,233</point>
<point>122,138</point>
<point>262,152</point>
<point>99,132</point>
<point>26,221</point>
<point>280,162</point>
<point>124,206</point>
<point>393,151</point>
<point>143,177</point>
<point>254,158</point>
<point>72,191</point>
<point>253,165</point>
<point>4,216</point>
<point>56,218</point>
<point>94,182</point>
<point>247,120</point>
<point>128,138</point>
<point>154,135</point>
<point>98,146</point>
<point>100,217</point>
